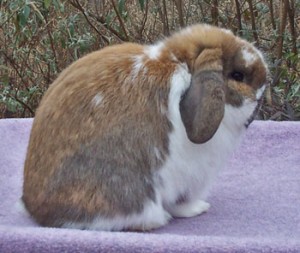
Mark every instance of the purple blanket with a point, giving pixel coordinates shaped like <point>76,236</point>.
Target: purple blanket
<point>255,203</point>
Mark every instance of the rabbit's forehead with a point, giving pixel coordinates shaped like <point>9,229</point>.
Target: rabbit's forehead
<point>249,56</point>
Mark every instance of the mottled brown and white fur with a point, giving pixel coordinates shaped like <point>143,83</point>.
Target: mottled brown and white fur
<point>129,136</point>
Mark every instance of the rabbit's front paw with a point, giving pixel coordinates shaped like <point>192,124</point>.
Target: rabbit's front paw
<point>190,209</point>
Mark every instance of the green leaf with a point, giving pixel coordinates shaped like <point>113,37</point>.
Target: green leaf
<point>109,18</point>
<point>47,3</point>
<point>26,11</point>
<point>63,42</point>
<point>12,105</point>
<point>58,5</point>
<point>72,29</point>
<point>121,6</point>
<point>23,16</point>
<point>142,4</point>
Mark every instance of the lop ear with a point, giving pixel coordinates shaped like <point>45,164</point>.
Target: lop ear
<point>202,106</point>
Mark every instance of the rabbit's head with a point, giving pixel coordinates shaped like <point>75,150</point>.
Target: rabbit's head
<point>226,71</point>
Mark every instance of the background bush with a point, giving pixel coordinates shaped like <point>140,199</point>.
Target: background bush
<point>38,39</point>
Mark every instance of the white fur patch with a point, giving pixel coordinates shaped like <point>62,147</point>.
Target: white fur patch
<point>248,57</point>
<point>226,31</point>
<point>98,98</point>
<point>154,51</point>
<point>236,117</point>
<point>259,53</point>
<point>187,30</point>
<point>138,65</point>
<point>260,92</point>
<point>153,216</point>
<point>19,207</point>
<point>190,209</point>
<point>180,82</point>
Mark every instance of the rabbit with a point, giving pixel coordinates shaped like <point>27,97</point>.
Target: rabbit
<point>131,136</point>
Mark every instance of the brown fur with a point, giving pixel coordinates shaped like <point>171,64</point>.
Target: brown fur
<point>83,157</point>
<point>67,121</point>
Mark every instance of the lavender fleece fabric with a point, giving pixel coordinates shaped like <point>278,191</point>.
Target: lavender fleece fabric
<point>255,203</point>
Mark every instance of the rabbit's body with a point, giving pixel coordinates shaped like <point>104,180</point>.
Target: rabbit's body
<point>114,144</point>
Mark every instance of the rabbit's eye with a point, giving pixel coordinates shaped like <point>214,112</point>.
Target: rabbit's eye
<point>237,76</point>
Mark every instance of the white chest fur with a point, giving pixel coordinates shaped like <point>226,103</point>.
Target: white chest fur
<point>191,168</point>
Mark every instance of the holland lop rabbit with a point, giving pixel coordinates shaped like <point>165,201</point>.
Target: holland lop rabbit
<point>129,136</point>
